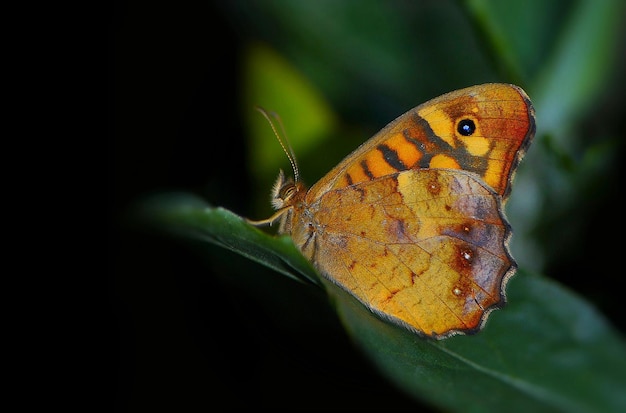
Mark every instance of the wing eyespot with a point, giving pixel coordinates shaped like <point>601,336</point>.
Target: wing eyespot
<point>466,127</point>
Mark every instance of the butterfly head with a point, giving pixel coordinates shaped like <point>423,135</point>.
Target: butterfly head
<point>284,191</point>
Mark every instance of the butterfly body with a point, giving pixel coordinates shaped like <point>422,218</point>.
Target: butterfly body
<point>412,223</point>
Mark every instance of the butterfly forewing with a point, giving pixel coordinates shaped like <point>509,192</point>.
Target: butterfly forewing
<point>431,136</point>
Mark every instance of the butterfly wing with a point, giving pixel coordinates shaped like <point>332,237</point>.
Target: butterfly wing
<point>426,249</point>
<point>483,129</point>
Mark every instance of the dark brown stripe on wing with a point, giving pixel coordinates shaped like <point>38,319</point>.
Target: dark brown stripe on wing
<point>424,161</point>
<point>349,179</point>
<point>366,170</point>
<point>391,157</point>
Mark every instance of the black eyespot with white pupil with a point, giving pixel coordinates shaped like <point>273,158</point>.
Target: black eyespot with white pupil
<point>466,127</point>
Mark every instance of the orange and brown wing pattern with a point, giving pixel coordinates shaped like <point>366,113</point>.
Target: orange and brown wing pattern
<point>483,129</point>
<point>411,223</point>
<point>426,249</point>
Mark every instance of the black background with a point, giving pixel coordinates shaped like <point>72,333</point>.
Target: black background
<point>182,339</point>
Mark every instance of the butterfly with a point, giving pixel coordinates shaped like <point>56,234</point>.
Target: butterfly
<point>412,222</point>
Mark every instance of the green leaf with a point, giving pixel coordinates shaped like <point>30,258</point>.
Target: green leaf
<point>188,216</point>
<point>547,350</point>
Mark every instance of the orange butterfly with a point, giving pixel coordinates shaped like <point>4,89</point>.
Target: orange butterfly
<point>412,222</point>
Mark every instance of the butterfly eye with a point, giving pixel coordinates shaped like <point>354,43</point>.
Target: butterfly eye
<point>287,191</point>
<point>466,127</point>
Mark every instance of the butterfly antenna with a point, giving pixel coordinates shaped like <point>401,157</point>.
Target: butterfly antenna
<point>283,143</point>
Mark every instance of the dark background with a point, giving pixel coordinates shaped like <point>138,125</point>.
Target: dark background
<point>183,340</point>
<point>187,336</point>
